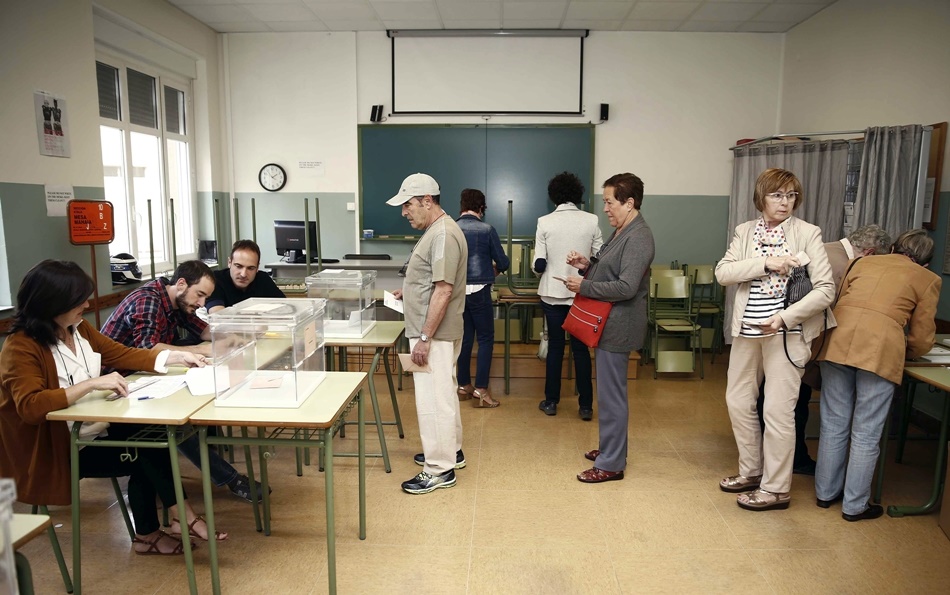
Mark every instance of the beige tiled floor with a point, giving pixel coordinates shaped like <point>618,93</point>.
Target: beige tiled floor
<point>519,522</point>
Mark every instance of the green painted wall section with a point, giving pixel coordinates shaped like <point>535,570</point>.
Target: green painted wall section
<point>689,229</point>
<point>337,224</point>
<point>210,203</point>
<point>30,236</point>
<point>939,236</point>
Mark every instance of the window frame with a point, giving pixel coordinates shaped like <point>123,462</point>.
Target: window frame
<point>163,79</point>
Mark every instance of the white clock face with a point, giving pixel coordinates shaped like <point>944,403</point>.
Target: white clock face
<point>272,177</point>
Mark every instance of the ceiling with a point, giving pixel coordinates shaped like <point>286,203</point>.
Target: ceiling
<point>753,16</point>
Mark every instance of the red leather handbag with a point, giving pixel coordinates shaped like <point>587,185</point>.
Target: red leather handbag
<point>586,319</point>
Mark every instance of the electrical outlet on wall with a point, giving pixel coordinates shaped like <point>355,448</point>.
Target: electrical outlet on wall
<point>351,206</point>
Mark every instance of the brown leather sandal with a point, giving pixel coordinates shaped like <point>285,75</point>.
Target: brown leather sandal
<point>218,535</point>
<point>595,475</point>
<point>466,392</point>
<point>153,550</point>
<point>591,455</point>
<point>483,399</point>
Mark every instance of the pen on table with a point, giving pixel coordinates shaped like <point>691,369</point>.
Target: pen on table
<point>145,398</point>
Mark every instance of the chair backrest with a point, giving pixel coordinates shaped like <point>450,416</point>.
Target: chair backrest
<point>658,273</point>
<point>367,257</point>
<point>671,287</point>
<point>705,274</point>
<point>670,297</point>
<point>521,281</point>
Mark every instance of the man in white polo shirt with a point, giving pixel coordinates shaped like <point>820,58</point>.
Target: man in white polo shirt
<point>433,294</point>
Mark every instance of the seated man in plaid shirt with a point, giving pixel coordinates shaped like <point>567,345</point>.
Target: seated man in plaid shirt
<point>150,317</point>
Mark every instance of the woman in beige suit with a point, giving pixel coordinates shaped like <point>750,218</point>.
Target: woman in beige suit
<point>862,362</point>
<point>769,338</point>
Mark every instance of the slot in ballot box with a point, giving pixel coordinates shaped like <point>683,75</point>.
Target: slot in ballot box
<point>351,301</point>
<point>268,352</point>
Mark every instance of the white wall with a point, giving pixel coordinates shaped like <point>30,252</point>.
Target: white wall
<point>678,101</point>
<point>48,45</point>
<point>293,98</point>
<point>863,63</point>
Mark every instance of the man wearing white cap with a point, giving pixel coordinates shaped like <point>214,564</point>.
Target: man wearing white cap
<point>433,295</point>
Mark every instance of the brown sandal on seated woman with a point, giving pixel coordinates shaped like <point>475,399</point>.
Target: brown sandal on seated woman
<point>195,530</point>
<point>158,543</point>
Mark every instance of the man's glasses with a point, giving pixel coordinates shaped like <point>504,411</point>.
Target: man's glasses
<point>780,196</point>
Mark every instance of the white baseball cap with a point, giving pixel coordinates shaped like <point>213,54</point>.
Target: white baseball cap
<point>414,185</point>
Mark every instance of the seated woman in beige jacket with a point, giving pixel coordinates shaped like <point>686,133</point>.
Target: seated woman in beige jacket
<point>769,338</point>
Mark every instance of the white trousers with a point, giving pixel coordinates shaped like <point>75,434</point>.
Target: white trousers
<point>770,455</point>
<point>437,406</point>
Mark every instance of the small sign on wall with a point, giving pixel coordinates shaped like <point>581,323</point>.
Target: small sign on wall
<point>90,222</point>
<point>56,199</point>
<point>52,124</point>
<point>318,167</point>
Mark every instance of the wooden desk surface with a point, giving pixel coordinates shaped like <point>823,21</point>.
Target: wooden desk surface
<point>320,410</point>
<point>384,334</point>
<point>173,410</point>
<point>938,377</point>
<point>25,527</point>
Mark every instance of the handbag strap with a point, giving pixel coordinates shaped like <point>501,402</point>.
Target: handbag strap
<point>825,312</point>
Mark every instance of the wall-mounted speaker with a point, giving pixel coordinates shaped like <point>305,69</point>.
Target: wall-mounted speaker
<point>604,111</point>
<point>377,114</point>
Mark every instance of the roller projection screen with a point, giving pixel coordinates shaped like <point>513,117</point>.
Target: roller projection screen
<point>487,75</point>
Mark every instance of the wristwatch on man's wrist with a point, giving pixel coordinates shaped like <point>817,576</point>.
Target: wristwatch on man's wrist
<point>424,337</point>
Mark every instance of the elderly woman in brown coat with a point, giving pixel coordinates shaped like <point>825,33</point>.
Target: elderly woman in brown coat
<point>862,361</point>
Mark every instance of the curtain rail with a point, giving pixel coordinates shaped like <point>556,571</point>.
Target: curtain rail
<point>779,136</point>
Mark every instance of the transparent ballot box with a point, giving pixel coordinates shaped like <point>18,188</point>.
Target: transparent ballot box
<point>8,582</point>
<point>268,352</point>
<point>351,303</point>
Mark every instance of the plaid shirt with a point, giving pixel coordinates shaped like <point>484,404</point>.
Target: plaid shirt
<point>147,317</point>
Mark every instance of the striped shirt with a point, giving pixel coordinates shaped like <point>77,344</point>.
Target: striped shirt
<point>761,307</point>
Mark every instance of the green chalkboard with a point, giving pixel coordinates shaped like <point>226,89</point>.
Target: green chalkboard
<point>505,162</point>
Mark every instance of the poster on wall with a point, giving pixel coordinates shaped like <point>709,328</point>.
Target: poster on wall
<point>52,127</point>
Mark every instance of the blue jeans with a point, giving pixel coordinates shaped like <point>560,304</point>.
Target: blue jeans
<point>853,402</point>
<point>479,319</point>
<point>555,315</point>
<point>222,472</point>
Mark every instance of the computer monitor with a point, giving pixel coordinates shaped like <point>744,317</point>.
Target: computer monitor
<point>291,242</point>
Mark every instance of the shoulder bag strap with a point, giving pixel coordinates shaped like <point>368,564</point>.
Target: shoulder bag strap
<point>825,312</point>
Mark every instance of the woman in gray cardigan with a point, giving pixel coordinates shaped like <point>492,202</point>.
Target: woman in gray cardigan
<point>618,274</point>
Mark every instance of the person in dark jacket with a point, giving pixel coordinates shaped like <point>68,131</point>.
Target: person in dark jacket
<point>620,274</point>
<point>485,261</point>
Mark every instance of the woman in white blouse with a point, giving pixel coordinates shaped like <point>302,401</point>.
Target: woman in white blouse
<point>53,358</point>
<point>567,229</point>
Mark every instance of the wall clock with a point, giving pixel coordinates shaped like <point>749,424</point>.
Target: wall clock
<point>272,177</point>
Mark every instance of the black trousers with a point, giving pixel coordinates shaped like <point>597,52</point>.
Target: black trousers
<point>555,315</point>
<point>150,474</point>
